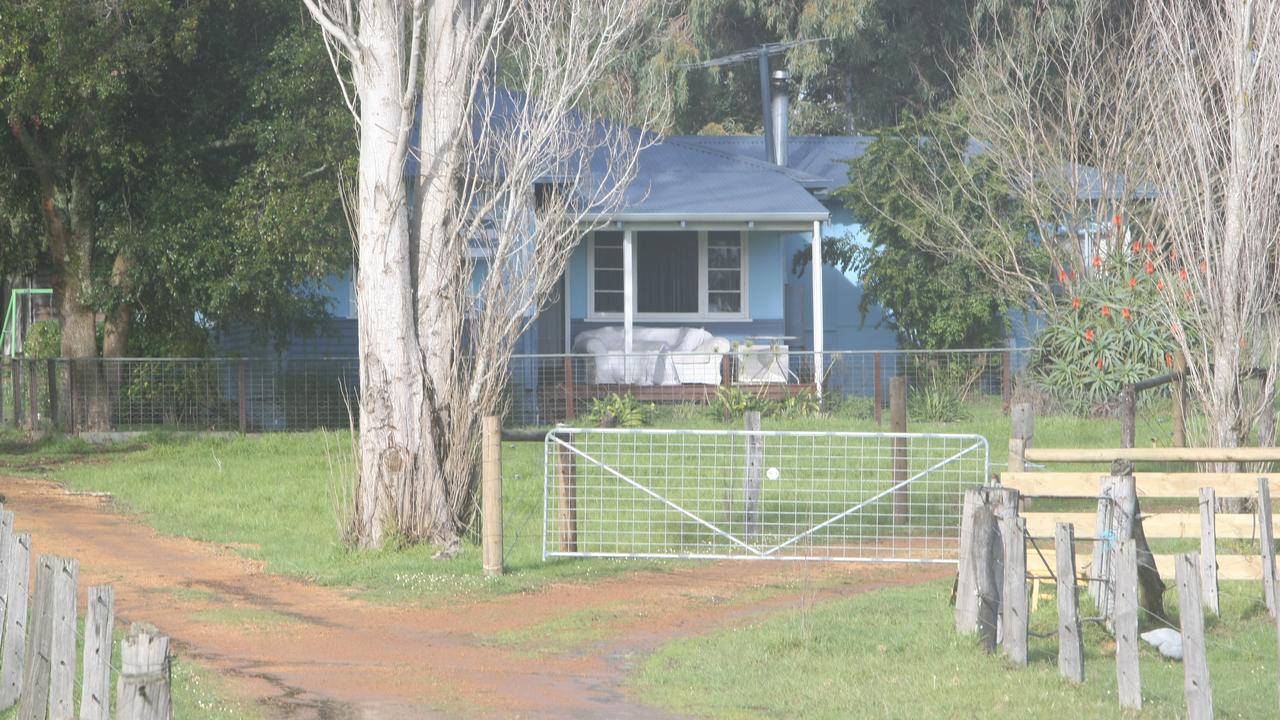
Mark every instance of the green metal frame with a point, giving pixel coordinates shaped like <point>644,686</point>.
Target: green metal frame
<point>10,328</point>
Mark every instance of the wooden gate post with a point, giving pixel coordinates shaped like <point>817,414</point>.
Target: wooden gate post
<point>1125,622</point>
<point>1209,549</point>
<point>491,495</point>
<point>1195,663</point>
<point>1070,639</point>
<point>566,500</point>
<point>898,424</point>
<point>95,690</point>
<point>143,691</point>
<point>1266,538</point>
<point>753,473</point>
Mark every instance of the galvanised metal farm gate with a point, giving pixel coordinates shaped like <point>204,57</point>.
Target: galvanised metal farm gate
<point>760,495</point>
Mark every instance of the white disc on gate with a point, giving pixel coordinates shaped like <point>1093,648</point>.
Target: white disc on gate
<point>772,473</point>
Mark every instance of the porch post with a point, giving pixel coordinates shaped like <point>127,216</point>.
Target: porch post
<point>816,246</point>
<point>628,292</point>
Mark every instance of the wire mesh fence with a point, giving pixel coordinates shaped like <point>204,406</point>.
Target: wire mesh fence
<point>260,395</point>
<point>758,494</point>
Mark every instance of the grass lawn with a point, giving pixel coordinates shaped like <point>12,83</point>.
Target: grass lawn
<point>894,654</point>
<point>272,496</point>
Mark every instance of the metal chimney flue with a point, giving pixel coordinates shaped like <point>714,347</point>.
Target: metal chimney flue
<point>780,106</point>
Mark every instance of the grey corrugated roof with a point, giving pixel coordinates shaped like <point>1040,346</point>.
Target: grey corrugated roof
<point>817,162</point>
<point>677,178</point>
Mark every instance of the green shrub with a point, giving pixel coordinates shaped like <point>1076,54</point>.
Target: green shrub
<point>733,402</point>
<point>622,411</point>
<point>44,340</point>
<point>938,400</point>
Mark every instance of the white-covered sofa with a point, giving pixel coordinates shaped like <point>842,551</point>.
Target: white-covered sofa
<point>659,356</point>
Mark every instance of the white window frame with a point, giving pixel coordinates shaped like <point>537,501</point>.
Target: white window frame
<point>703,313</point>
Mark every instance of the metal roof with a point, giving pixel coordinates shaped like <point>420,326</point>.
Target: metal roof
<point>819,163</point>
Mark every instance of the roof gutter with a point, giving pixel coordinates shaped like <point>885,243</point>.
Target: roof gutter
<point>779,217</point>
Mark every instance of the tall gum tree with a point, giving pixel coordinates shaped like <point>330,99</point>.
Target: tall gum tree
<point>508,169</point>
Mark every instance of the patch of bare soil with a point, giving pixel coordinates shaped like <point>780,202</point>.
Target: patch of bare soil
<point>307,652</point>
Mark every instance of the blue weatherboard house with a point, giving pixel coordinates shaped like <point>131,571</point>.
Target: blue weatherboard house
<point>702,249</point>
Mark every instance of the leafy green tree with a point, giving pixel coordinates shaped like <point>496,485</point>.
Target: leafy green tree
<point>881,59</point>
<point>168,159</point>
<point>932,301</point>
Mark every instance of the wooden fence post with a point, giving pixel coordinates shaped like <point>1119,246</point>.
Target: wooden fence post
<point>1006,380</point>
<point>143,690</point>
<point>569,409</point>
<point>1209,548</point>
<point>566,500</point>
<point>994,498</point>
<point>1014,615</point>
<point>51,370</point>
<point>1179,399</point>
<point>753,473</point>
<point>1022,419</point>
<point>242,393</point>
<point>37,669</point>
<point>17,571</point>
<point>1195,663</point>
<point>877,400</point>
<point>1070,640</point>
<point>1128,417</point>
<point>1128,678</point>
<point>62,645</point>
<point>898,424</point>
<point>491,495</point>
<point>1266,539</point>
<point>987,564</point>
<point>33,395</point>
<point>15,381</point>
<point>95,684</point>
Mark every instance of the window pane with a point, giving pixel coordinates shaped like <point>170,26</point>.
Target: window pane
<point>722,280</point>
<point>608,280</point>
<point>724,238</point>
<point>667,272</point>
<point>608,238</point>
<point>607,257</point>
<point>721,302</point>
<point>723,257</point>
<point>608,302</point>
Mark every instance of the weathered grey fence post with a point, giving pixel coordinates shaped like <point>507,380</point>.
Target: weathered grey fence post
<point>898,424</point>
<point>1119,519</point>
<point>62,645</point>
<point>1266,538</point>
<point>1195,663</point>
<point>491,495</point>
<point>993,498</point>
<point>753,473</point>
<point>1209,548</point>
<point>143,691</point>
<point>1070,641</point>
<point>988,571</point>
<point>95,683</point>
<point>1128,678</point>
<point>17,572</point>
<point>35,676</point>
<point>1023,419</point>
<point>1014,617</point>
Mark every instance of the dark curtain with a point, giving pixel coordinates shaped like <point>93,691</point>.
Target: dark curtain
<point>667,272</point>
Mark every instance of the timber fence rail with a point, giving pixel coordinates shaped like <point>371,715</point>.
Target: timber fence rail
<point>40,672</point>
<point>265,395</point>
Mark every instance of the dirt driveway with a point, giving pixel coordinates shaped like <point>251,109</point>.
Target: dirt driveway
<point>309,652</point>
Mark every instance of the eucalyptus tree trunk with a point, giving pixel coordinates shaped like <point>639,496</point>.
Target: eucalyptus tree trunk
<point>391,433</point>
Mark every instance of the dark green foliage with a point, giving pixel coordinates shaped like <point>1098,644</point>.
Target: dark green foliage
<point>43,340</point>
<point>735,401</point>
<point>931,300</point>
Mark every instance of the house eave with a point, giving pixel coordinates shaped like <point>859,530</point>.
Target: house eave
<point>762,221</point>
